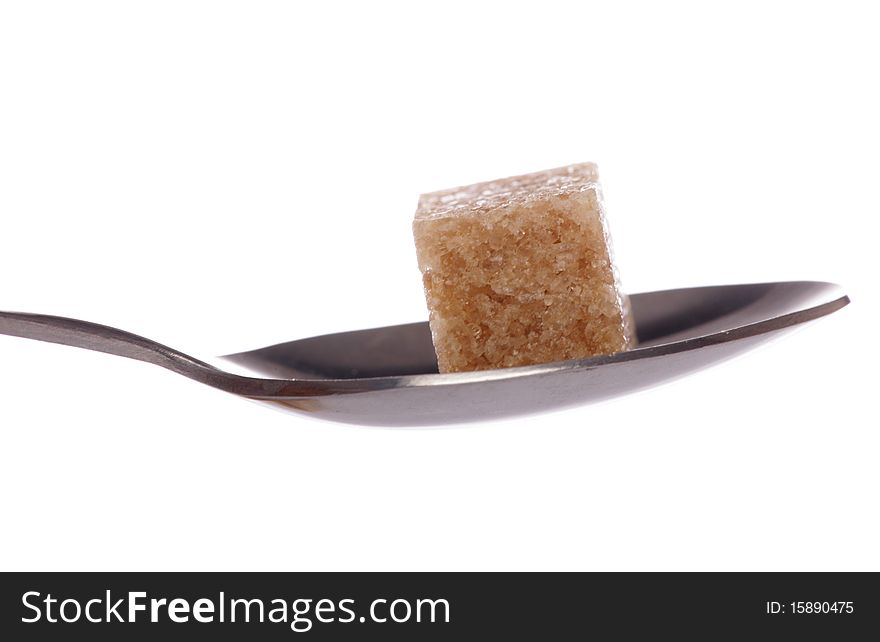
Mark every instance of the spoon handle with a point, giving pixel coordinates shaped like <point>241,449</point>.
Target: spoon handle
<point>102,338</point>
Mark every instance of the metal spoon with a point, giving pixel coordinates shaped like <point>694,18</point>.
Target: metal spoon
<point>388,376</point>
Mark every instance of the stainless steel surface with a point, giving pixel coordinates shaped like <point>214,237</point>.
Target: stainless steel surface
<point>388,376</point>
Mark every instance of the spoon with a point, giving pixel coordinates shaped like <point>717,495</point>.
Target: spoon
<point>388,376</point>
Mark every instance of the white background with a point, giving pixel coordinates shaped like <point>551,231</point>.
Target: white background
<point>221,176</point>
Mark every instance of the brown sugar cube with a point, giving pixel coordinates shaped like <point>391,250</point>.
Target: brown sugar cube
<point>519,271</point>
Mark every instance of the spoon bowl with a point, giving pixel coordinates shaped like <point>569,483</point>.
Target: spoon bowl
<point>388,376</point>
